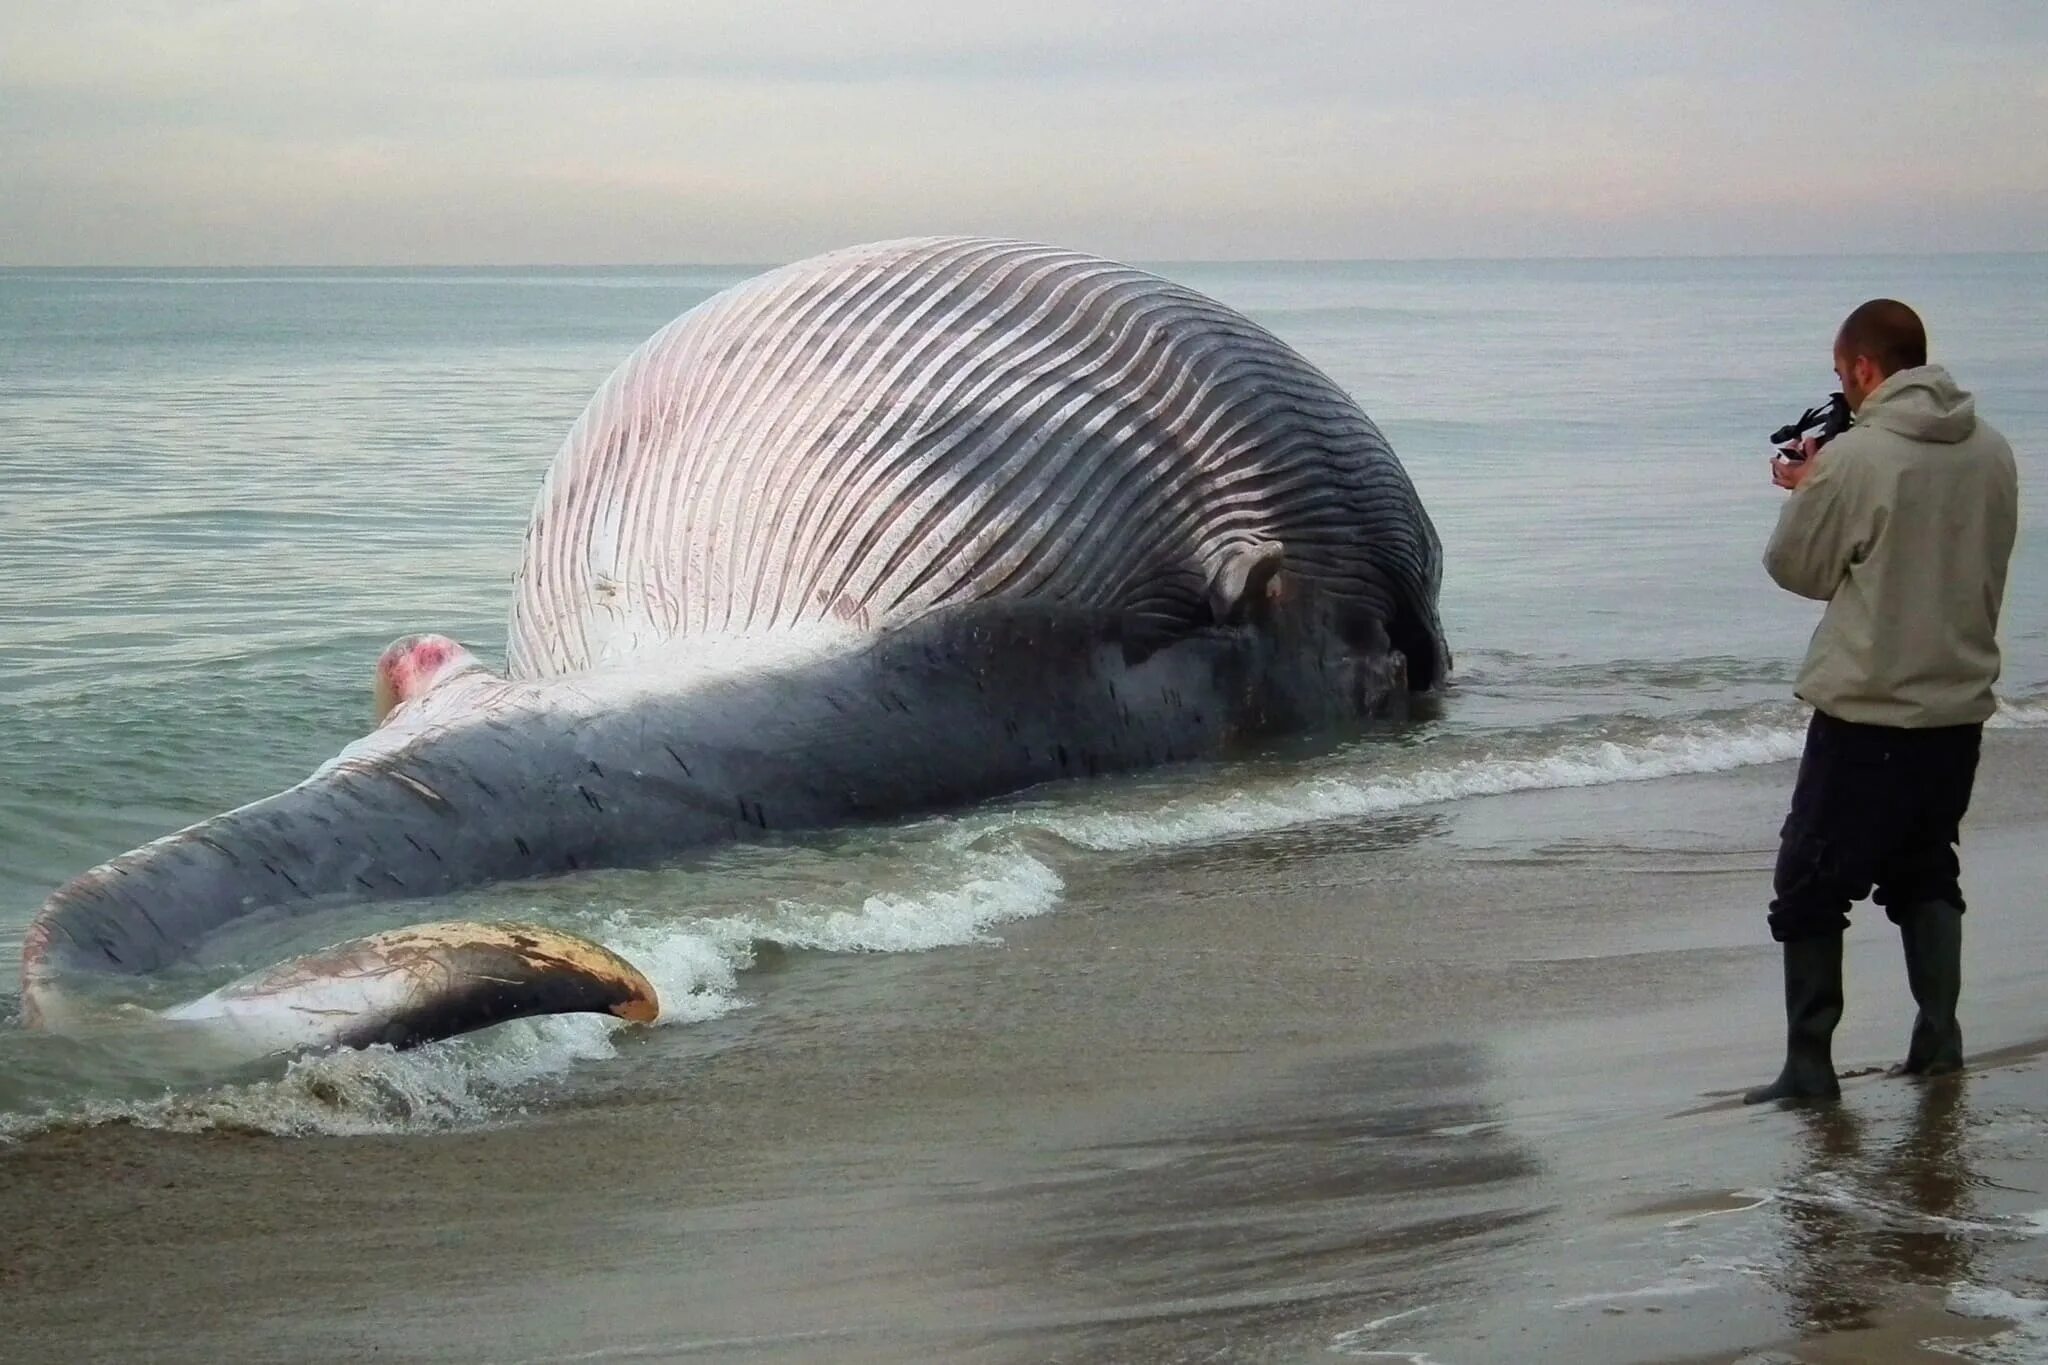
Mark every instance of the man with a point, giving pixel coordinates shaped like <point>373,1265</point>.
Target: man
<point>1904,526</point>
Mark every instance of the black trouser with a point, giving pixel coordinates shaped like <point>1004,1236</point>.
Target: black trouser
<point>1875,806</point>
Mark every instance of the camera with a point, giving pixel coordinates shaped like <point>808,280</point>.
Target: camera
<point>1824,423</point>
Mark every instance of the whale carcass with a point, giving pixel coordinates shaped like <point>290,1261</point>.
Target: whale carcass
<point>895,528</point>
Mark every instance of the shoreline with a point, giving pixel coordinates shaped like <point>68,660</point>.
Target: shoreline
<point>1453,1083</point>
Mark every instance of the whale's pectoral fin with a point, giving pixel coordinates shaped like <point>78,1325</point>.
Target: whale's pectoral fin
<point>1228,592</point>
<point>1239,580</point>
<point>412,986</point>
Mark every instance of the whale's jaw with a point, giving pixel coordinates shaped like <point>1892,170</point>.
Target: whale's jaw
<point>481,782</point>
<point>416,985</point>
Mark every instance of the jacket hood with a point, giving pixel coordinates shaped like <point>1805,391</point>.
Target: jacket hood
<point>1922,404</point>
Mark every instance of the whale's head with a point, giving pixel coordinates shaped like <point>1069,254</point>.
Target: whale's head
<point>411,667</point>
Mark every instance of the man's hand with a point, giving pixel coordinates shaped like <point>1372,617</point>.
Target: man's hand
<point>1789,474</point>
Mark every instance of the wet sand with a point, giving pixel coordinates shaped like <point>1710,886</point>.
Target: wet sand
<point>1455,1087</point>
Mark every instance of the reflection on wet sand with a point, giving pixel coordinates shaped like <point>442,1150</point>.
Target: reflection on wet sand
<point>1858,1222</point>
<point>1330,1200</point>
<point>1927,1172</point>
<point>1820,1234</point>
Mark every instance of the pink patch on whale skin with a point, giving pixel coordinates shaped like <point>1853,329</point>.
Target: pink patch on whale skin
<point>411,667</point>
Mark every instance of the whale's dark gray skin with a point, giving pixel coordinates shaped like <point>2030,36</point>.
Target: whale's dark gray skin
<point>891,530</point>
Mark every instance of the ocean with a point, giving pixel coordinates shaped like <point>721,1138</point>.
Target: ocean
<point>224,491</point>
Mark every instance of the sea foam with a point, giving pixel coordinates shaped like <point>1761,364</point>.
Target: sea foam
<point>962,880</point>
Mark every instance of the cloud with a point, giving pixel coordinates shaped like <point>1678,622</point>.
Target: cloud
<point>259,131</point>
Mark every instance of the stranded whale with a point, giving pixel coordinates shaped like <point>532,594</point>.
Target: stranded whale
<point>895,528</point>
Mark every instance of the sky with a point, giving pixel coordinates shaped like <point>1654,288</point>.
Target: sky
<point>359,132</point>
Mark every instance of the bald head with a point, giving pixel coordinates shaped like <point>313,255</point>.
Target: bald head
<point>1875,342</point>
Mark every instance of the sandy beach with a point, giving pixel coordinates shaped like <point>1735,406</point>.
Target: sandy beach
<point>1453,1086</point>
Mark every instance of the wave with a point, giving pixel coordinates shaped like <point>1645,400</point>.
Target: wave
<point>1691,748</point>
<point>959,890</point>
<point>943,883</point>
<point>2025,1340</point>
<point>1350,797</point>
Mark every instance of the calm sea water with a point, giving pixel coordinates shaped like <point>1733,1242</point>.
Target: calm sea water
<point>222,492</point>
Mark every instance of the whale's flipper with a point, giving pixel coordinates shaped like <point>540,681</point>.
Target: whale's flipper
<point>1241,577</point>
<point>1227,593</point>
<point>411,986</point>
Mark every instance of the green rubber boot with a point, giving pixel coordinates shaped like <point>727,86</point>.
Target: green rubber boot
<point>1813,1006</point>
<point>1932,932</point>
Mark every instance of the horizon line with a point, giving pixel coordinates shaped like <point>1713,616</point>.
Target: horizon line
<point>1476,259</point>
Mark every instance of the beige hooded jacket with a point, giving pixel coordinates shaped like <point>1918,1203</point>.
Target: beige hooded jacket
<point>1904,528</point>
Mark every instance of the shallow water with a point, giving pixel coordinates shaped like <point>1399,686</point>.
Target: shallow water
<point>227,491</point>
